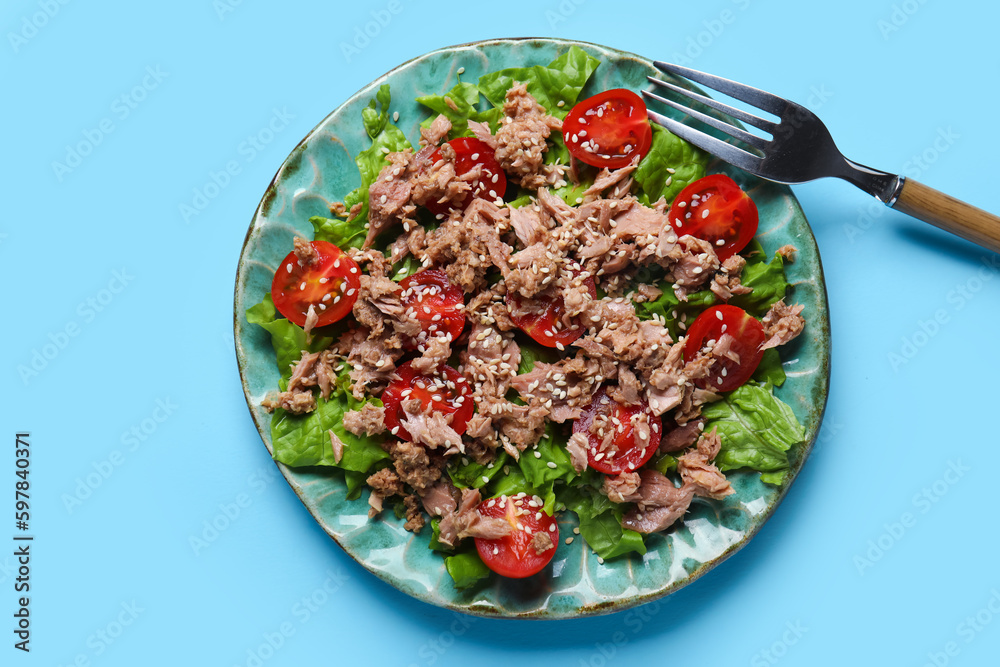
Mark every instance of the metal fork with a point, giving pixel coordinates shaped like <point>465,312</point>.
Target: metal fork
<point>801,149</point>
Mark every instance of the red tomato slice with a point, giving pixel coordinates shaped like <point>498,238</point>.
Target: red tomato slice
<point>446,392</point>
<point>608,129</point>
<point>708,327</point>
<point>715,209</point>
<point>331,284</point>
<point>512,555</point>
<point>632,451</point>
<point>545,322</point>
<point>436,303</point>
<point>470,152</point>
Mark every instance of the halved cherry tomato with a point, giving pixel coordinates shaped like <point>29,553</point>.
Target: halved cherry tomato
<point>437,304</point>
<point>617,419</point>
<point>446,391</point>
<point>469,152</point>
<point>748,333</point>
<point>330,284</point>
<point>608,129</point>
<point>513,555</point>
<point>545,321</point>
<point>715,209</point>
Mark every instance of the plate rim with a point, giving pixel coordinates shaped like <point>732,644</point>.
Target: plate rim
<point>600,608</point>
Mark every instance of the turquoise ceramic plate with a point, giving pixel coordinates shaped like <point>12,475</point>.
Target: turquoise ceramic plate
<point>321,170</point>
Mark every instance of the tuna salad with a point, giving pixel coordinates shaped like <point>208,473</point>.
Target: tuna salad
<point>544,306</point>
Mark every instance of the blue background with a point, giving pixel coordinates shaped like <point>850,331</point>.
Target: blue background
<point>879,554</point>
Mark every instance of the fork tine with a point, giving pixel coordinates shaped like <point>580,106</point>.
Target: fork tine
<point>755,96</point>
<point>731,154</point>
<point>738,114</point>
<point>731,130</point>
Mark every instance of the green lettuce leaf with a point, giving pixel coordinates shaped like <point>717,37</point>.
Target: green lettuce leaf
<point>472,474</point>
<point>767,279</point>
<point>405,267</point>
<point>339,232</point>
<point>355,483</point>
<point>584,498</point>
<point>672,310</point>
<point>664,463</point>
<point>384,135</point>
<point>512,481</point>
<point>532,352</point>
<point>601,523</point>
<point>304,440</point>
<point>466,569</point>
<point>756,429</point>
<point>572,194</point>
<point>287,338</point>
<point>770,369</point>
<point>668,152</point>
<point>465,97</point>
<point>606,536</point>
<point>435,543</point>
<point>559,81</point>
<point>552,447</point>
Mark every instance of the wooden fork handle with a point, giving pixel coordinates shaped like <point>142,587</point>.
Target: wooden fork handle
<point>949,214</point>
